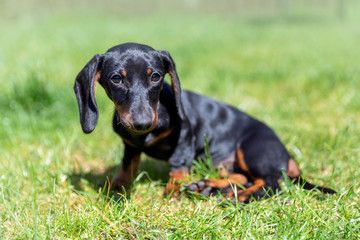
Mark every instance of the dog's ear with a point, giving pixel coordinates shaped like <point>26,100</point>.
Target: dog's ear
<point>84,88</point>
<point>175,83</point>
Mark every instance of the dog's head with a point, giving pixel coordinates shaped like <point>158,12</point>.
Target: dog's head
<point>132,76</point>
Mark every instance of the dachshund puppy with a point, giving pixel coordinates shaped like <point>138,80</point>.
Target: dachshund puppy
<point>169,124</point>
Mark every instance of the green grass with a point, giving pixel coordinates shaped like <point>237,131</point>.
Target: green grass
<point>298,71</point>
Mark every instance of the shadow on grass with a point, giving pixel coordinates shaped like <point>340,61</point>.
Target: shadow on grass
<point>155,171</point>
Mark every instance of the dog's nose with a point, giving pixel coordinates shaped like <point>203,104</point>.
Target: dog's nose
<point>142,124</point>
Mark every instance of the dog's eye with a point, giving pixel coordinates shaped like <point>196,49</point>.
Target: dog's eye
<point>155,77</point>
<point>116,78</point>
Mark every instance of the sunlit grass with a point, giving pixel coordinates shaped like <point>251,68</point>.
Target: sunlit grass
<point>300,77</point>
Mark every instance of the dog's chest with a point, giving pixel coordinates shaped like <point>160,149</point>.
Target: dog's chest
<point>159,146</point>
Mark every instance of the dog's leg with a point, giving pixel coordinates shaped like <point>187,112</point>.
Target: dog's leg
<point>181,160</point>
<point>130,166</point>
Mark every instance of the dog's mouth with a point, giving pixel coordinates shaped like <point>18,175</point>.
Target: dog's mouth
<point>135,131</point>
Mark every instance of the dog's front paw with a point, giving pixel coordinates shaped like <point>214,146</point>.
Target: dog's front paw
<point>176,181</point>
<point>173,191</point>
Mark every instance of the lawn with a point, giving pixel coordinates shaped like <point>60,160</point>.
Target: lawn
<point>297,69</point>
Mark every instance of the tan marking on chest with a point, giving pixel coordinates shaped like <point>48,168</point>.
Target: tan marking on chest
<point>159,137</point>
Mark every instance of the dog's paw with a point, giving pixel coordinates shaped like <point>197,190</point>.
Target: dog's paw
<point>172,191</point>
<point>119,185</point>
<point>201,187</point>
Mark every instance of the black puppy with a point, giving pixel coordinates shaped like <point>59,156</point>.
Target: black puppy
<point>169,124</point>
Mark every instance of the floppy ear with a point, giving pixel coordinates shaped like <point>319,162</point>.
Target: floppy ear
<point>84,88</point>
<point>175,83</point>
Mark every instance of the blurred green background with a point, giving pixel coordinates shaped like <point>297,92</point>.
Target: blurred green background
<point>256,55</point>
<point>293,64</point>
